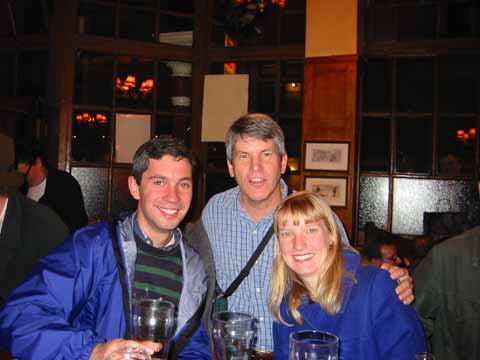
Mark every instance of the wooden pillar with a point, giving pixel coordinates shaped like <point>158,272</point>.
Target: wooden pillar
<point>330,86</point>
<point>61,73</point>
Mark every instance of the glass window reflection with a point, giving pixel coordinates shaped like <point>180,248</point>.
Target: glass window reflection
<point>91,136</point>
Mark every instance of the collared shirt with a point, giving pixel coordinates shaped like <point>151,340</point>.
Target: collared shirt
<point>174,240</point>
<point>234,238</point>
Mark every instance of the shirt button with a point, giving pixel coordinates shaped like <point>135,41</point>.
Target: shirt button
<point>261,318</point>
<point>254,232</point>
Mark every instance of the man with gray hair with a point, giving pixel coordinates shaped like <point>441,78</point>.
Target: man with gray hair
<point>234,222</point>
<point>28,230</point>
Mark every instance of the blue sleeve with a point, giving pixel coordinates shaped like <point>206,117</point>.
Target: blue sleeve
<point>197,347</point>
<point>36,323</point>
<point>397,331</point>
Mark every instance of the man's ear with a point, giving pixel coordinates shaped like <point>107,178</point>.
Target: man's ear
<point>283,163</point>
<point>231,170</point>
<point>134,188</point>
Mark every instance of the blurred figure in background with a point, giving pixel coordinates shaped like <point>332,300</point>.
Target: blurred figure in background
<point>447,292</point>
<point>28,230</point>
<point>55,188</point>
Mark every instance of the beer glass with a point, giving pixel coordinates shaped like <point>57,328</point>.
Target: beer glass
<point>154,320</point>
<point>313,345</point>
<point>233,335</point>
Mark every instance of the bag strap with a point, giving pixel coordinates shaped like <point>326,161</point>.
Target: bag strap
<point>113,222</point>
<point>246,270</point>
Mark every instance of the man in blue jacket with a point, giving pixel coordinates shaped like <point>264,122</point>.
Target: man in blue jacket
<point>77,302</point>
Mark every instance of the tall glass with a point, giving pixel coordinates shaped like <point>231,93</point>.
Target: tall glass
<point>233,335</point>
<point>313,345</point>
<point>154,320</point>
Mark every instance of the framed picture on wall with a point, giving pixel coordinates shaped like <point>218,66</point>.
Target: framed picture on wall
<point>332,189</point>
<point>327,156</point>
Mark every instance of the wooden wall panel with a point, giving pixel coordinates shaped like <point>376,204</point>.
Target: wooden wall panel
<point>329,114</point>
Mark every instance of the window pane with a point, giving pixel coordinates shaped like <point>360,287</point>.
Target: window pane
<point>416,22</point>
<point>121,199</point>
<point>7,73</point>
<point>456,146</point>
<point>6,30</point>
<point>415,85</point>
<point>134,82</point>
<point>170,24</point>
<point>93,79</point>
<point>291,101</point>
<point>413,197</point>
<point>414,145</point>
<point>140,3</point>
<point>184,6</point>
<point>29,17</point>
<point>137,24</point>
<point>96,19</point>
<point>375,144</point>
<point>292,70</point>
<point>32,73</point>
<point>164,125</point>
<point>293,29</point>
<point>292,128</point>
<point>373,201</point>
<point>458,19</point>
<point>164,92</point>
<point>94,184</point>
<point>378,86</point>
<point>380,22</point>
<point>458,83</point>
<point>266,97</point>
<point>91,136</point>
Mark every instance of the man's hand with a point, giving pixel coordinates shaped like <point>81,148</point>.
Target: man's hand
<point>404,289</point>
<point>101,351</point>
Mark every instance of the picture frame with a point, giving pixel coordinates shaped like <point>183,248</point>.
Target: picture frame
<point>327,156</point>
<point>333,190</point>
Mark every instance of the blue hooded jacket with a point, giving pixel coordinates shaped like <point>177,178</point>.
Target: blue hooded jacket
<point>372,323</point>
<point>73,300</point>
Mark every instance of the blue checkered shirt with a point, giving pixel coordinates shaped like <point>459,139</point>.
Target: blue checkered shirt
<point>234,238</point>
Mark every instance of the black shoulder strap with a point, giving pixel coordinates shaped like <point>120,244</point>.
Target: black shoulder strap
<point>246,270</point>
<point>113,221</point>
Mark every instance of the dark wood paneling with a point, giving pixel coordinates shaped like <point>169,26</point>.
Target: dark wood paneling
<point>329,114</point>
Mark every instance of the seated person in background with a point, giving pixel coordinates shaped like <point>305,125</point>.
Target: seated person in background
<point>28,230</point>
<point>319,284</point>
<point>54,188</point>
<point>77,302</point>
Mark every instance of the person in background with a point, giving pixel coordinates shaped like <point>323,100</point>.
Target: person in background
<point>77,303</point>
<point>54,188</point>
<point>28,230</point>
<point>447,291</point>
<point>319,284</point>
<point>234,222</point>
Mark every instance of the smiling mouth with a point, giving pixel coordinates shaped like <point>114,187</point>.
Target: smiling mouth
<point>169,211</point>
<point>303,257</point>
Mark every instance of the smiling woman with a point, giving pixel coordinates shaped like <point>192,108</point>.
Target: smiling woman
<point>319,284</point>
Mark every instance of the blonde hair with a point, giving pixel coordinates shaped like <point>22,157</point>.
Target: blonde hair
<point>310,208</point>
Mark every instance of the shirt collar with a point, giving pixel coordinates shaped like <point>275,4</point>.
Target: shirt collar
<point>174,241</point>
